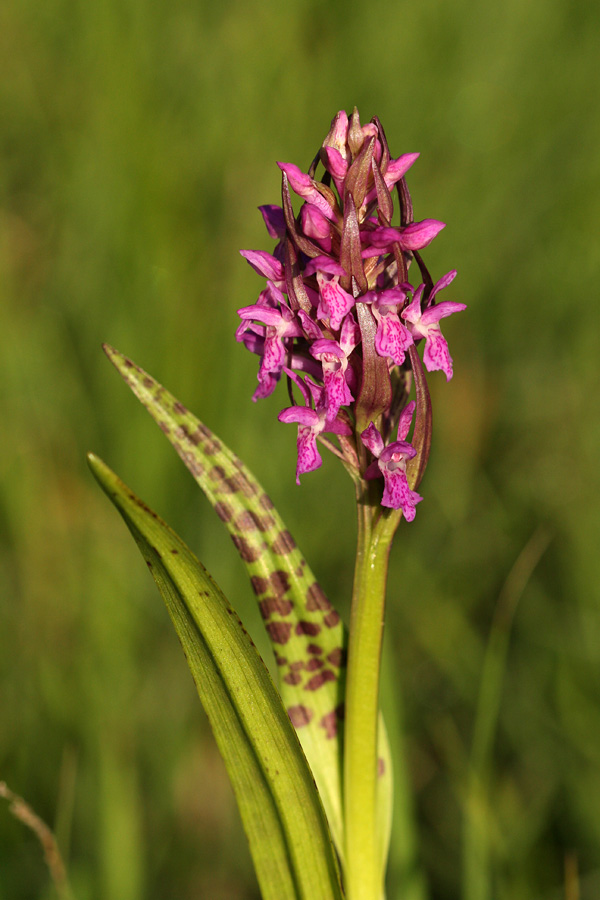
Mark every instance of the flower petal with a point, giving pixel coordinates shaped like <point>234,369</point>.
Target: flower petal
<point>372,440</point>
<point>265,264</point>
<point>436,355</point>
<point>405,420</point>
<point>398,495</point>
<point>335,302</point>
<point>274,219</point>
<point>397,168</point>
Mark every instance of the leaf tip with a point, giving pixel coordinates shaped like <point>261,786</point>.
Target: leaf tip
<point>99,470</point>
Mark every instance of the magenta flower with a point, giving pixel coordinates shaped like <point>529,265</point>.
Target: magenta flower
<point>412,237</point>
<point>305,187</point>
<point>267,265</point>
<point>336,316</point>
<point>391,463</point>
<point>334,302</point>
<point>334,359</point>
<point>279,324</point>
<point>426,325</point>
<point>393,337</point>
<point>311,423</point>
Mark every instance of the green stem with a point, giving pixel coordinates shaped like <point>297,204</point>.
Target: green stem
<point>364,875</point>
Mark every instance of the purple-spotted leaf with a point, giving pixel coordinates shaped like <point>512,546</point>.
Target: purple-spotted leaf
<point>307,635</point>
<point>278,801</point>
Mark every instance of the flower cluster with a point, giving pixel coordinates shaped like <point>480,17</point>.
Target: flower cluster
<point>339,317</point>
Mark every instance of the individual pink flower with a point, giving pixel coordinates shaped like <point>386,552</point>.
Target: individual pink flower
<point>334,302</point>
<point>337,166</point>
<point>333,356</point>
<point>410,237</point>
<point>311,423</point>
<point>266,264</point>
<point>279,323</point>
<point>305,187</point>
<point>274,220</point>
<point>393,338</point>
<point>397,169</point>
<point>436,355</point>
<point>316,226</point>
<point>391,463</point>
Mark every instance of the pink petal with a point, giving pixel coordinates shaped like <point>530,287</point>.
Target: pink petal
<point>303,415</point>
<point>335,302</point>
<point>405,420</point>
<point>338,427</point>
<point>399,167</point>
<point>398,495</point>
<point>336,164</point>
<point>412,313</point>
<point>337,391</point>
<point>372,440</point>
<point>309,457</point>
<point>443,309</point>
<point>338,133</point>
<point>274,354</point>
<point>274,220</point>
<point>420,234</point>
<point>392,338</point>
<point>350,335</point>
<point>266,385</point>
<point>311,329</point>
<point>324,345</point>
<point>436,355</point>
<point>265,264</point>
<point>304,186</point>
<point>265,314</point>
<point>324,264</point>
<point>314,223</point>
<point>444,281</point>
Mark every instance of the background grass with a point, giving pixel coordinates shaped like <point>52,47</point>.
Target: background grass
<point>137,141</point>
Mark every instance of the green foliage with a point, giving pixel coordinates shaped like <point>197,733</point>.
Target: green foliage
<point>307,636</point>
<point>276,794</point>
<point>136,142</point>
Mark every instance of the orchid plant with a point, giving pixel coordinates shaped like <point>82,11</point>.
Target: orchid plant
<point>340,320</point>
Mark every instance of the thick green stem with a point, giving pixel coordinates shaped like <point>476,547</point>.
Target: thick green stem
<point>364,875</point>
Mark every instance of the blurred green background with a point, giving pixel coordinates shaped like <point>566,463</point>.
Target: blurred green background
<point>137,141</point>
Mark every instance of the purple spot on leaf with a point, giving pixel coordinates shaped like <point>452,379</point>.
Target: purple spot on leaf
<point>316,599</point>
<point>310,628</point>
<point>313,664</point>
<point>319,680</point>
<point>275,605</point>
<point>299,715</point>
<point>223,511</point>
<point>248,552</point>
<point>337,657</point>
<point>279,632</point>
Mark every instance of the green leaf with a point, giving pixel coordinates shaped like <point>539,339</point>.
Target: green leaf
<point>279,804</point>
<point>307,635</point>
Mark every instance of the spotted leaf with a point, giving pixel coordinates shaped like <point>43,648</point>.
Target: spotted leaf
<point>279,804</point>
<point>306,633</point>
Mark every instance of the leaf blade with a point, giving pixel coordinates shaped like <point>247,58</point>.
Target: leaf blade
<point>280,807</point>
